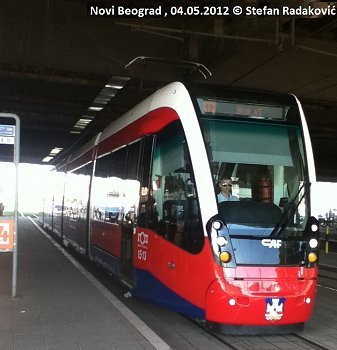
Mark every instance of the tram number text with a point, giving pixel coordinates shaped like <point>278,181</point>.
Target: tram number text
<point>142,254</point>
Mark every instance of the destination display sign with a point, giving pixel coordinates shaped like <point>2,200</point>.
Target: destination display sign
<point>241,109</point>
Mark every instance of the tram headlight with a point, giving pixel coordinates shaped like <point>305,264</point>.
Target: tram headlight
<point>221,241</point>
<point>217,225</point>
<point>225,257</point>
<point>313,243</point>
<point>312,257</point>
<point>314,227</point>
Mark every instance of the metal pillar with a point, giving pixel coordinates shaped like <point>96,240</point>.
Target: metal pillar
<point>16,198</point>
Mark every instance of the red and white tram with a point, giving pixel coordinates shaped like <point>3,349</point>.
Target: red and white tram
<point>141,200</point>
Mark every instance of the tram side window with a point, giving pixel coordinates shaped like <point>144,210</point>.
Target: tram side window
<point>108,187</point>
<point>77,193</point>
<point>116,186</point>
<point>175,202</point>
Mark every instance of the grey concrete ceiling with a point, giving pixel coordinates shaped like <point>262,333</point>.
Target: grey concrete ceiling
<point>55,59</point>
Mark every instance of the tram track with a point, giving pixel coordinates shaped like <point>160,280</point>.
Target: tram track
<point>333,278</point>
<point>310,342</point>
<point>218,336</point>
<point>257,342</point>
<point>327,277</point>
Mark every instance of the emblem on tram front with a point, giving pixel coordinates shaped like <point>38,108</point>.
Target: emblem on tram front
<point>274,309</point>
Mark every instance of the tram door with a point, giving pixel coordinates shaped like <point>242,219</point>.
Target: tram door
<point>127,233</point>
<point>131,202</point>
<point>136,177</point>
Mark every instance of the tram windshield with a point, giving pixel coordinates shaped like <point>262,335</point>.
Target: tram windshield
<point>263,162</point>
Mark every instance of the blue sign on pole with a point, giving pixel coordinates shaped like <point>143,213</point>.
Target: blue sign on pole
<point>7,134</point>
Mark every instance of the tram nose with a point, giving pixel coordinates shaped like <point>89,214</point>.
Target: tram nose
<point>260,301</point>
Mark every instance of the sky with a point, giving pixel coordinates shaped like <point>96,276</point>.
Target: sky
<point>324,197</point>
<point>33,183</point>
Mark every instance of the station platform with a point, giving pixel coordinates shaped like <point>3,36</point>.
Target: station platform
<point>61,306</point>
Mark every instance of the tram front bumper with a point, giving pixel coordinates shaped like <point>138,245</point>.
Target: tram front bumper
<point>260,302</point>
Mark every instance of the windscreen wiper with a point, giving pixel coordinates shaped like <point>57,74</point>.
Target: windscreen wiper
<point>289,212</point>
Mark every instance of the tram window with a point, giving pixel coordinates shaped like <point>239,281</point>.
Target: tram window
<point>116,186</point>
<point>270,152</point>
<point>133,154</point>
<point>268,167</point>
<point>111,165</point>
<point>84,170</point>
<point>175,202</point>
<point>108,187</point>
<point>76,193</point>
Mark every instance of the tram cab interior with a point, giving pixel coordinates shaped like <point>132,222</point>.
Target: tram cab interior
<point>265,193</point>
<point>265,162</point>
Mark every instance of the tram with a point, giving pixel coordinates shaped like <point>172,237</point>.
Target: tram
<point>140,199</point>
